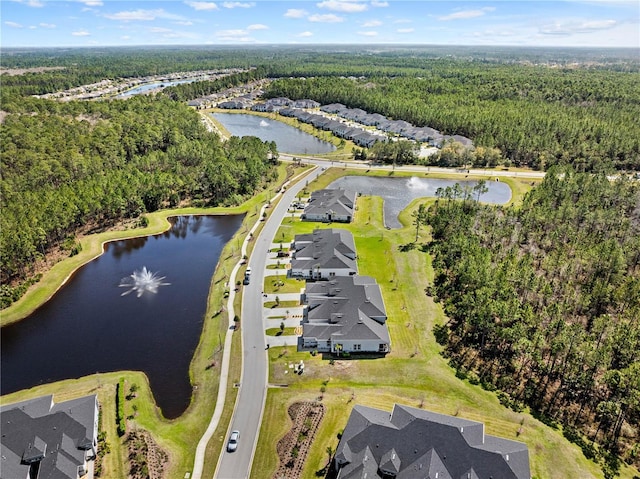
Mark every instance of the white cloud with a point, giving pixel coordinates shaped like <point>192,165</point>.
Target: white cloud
<point>32,27</point>
<point>343,6</point>
<point>466,14</point>
<point>234,36</point>
<point>47,25</point>
<point>295,13</point>
<point>329,18</point>
<point>368,33</point>
<point>231,33</point>
<point>202,5</point>
<point>577,26</point>
<point>377,3</point>
<point>372,23</point>
<point>13,24</point>
<point>160,30</point>
<point>257,26</point>
<point>405,30</point>
<point>92,3</point>
<point>402,20</point>
<point>142,15</point>
<point>305,34</point>
<point>495,33</point>
<point>185,23</point>
<point>31,3</point>
<point>238,5</point>
<point>125,37</point>
<point>80,33</point>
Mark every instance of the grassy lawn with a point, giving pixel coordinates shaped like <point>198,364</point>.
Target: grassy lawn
<point>281,304</point>
<point>281,267</point>
<point>414,373</point>
<point>279,332</point>
<point>282,284</point>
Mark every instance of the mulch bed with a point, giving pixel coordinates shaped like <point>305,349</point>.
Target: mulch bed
<point>146,459</point>
<point>294,446</point>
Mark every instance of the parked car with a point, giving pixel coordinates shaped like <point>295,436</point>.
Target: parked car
<point>232,445</point>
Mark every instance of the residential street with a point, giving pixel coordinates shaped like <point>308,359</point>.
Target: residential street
<point>253,388</point>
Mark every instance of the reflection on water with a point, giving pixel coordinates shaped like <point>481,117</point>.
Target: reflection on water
<point>288,139</point>
<point>89,327</point>
<point>399,192</point>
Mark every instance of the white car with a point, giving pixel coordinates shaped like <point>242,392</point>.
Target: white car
<point>232,445</point>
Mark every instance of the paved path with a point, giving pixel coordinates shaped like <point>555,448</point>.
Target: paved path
<point>416,169</point>
<point>224,368</point>
<point>247,415</point>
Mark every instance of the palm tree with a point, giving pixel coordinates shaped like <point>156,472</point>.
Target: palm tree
<point>330,452</point>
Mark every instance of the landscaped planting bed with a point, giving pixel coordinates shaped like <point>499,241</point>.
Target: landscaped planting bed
<point>294,446</point>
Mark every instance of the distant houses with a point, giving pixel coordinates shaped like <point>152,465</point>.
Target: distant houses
<point>416,444</point>
<point>330,205</point>
<point>345,315</point>
<point>42,439</point>
<point>351,124</point>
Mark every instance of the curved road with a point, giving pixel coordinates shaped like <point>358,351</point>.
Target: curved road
<point>249,407</point>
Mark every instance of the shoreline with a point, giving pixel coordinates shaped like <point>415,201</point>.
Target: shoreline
<point>92,247</point>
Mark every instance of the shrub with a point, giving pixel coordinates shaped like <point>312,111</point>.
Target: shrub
<point>441,332</point>
<point>120,419</point>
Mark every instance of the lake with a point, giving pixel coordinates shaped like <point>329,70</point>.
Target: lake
<point>399,192</point>
<point>287,138</point>
<point>95,324</point>
<point>145,87</point>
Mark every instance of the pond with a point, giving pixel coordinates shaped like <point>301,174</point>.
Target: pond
<point>397,193</point>
<point>287,138</point>
<point>105,320</point>
<point>145,87</point>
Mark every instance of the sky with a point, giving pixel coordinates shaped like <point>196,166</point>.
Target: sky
<point>82,23</point>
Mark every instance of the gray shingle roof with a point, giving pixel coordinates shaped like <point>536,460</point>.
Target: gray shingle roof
<point>426,443</point>
<point>324,248</point>
<point>55,435</point>
<point>345,308</point>
<point>337,201</point>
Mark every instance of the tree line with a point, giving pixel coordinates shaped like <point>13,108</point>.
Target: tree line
<point>534,116</point>
<point>68,166</point>
<point>544,302</point>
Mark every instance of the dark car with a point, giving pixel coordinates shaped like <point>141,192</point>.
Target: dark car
<point>232,445</point>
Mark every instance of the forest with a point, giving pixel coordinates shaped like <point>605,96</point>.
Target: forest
<point>535,116</point>
<point>71,166</point>
<point>533,107</point>
<point>543,303</point>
